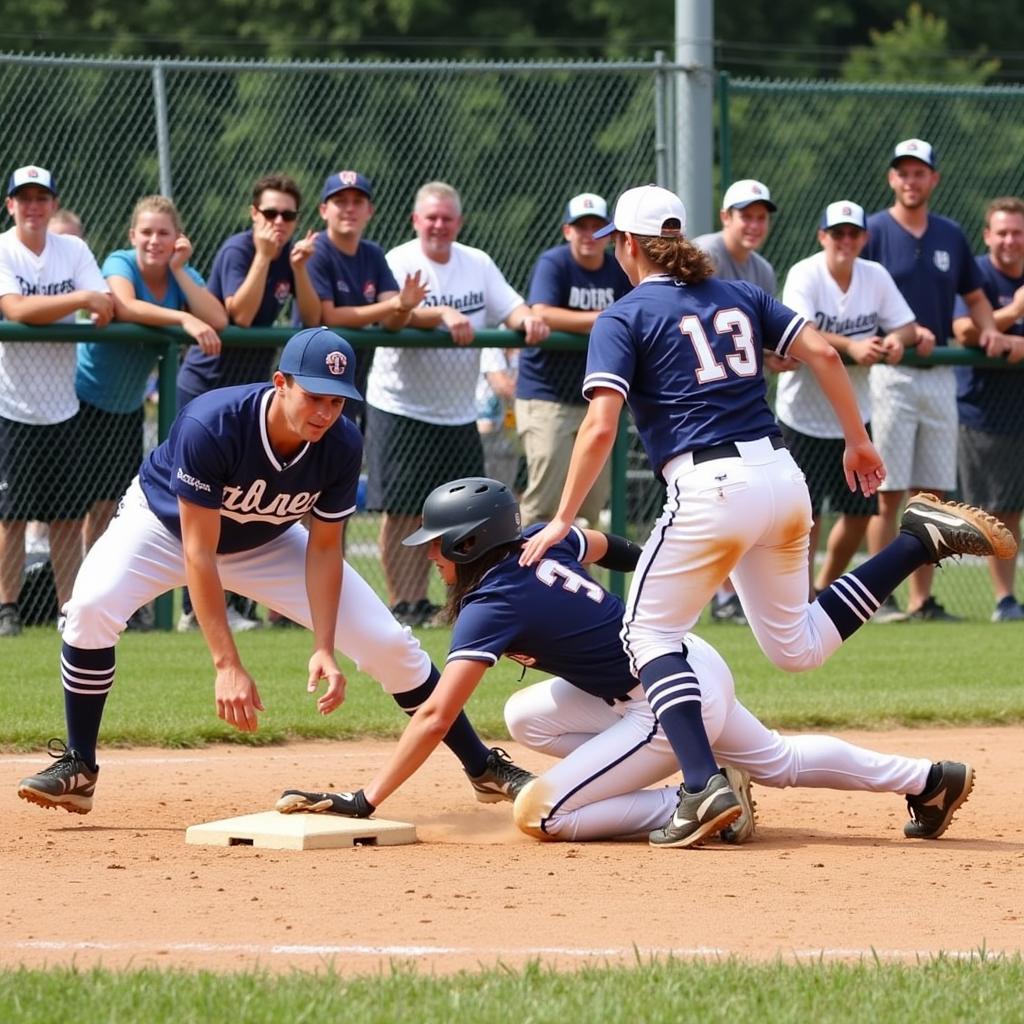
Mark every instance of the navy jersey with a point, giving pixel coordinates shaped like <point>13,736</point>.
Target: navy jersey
<point>930,271</point>
<point>218,455</point>
<point>990,399</point>
<point>199,372</point>
<point>344,280</point>
<point>689,361</point>
<point>558,280</point>
<point>515,610</point>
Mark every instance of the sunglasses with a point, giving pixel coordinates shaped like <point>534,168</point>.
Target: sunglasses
<point>286,215</point>
<point>845,232</point>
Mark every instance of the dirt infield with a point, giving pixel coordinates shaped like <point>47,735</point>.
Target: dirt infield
<point>829,874</point>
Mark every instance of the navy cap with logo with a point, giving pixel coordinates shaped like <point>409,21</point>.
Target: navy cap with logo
<point>31,175</point>
<point>346,179</point>
<point>321,362</point>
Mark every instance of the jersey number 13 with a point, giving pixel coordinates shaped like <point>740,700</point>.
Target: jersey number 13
<point>734,322</point>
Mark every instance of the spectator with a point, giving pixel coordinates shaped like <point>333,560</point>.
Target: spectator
<point>859,310</point>
<point>152,283</point>
<point>570,285</point>
<point>930,259</point>
<point>255,275</point>
<point>44,279</point>
<point>991,435</point>
<point>350,275</point>
<point>746,217</point>
<point>421,403</point>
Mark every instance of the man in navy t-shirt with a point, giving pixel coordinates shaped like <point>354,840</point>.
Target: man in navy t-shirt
<point>914,409</point>
<point>991,433</point>
<point>570,285</point>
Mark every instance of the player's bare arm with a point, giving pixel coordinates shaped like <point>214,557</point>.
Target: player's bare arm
<point>589,454</point>
<point>237,697</point>
<point>861,462</point>
<point>324,568</point>
<point>427,727</point>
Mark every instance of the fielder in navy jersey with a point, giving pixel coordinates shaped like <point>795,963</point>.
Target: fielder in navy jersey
<point>556,618</point>
<point>686,351</point>
<point>217,505</point>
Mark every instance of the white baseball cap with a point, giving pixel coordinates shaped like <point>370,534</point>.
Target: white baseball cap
<point>644,211</point>
<point>31,175</point>
<point>586,204</point>
<point>743,193</point>
<point>843,212</point>
<point>916,148</point>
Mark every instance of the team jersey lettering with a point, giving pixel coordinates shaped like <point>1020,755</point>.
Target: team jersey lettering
<point>245,506</point>
<point>550,572</point>
<point>734,322</point>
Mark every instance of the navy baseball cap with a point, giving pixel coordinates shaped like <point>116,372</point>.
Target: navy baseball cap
<point>322,363</point>
<point>346,179</point>
<point>843,212</point>
<point>31,175</point>
<point>916,149</point>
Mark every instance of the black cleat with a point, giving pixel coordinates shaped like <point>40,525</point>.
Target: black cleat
<point>69,782</point>
<point>931,812</point>
<point>501,780</point>
<point>950,528</point>
<point>698,816</point>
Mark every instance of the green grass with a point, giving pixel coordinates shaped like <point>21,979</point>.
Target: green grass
<point>903,674</point>
<point>940,990</point>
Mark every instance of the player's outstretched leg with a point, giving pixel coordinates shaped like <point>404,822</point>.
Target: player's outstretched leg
<point>68,783</point>
<point>930,530</point>
<point>932,811</point>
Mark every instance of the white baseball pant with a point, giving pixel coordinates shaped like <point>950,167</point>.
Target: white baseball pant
<point>138,558</point>
<point>747,517</point>
<point>610,753</point>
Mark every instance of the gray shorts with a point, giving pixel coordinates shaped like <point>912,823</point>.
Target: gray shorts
<point>991,469</point>
<point>913,420</point>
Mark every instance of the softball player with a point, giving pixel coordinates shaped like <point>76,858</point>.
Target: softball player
<point>554,617</point>
<point>686,351</point>
<point>218,505</point>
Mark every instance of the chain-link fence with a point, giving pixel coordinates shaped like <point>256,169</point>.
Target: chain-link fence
<point>517,140</point>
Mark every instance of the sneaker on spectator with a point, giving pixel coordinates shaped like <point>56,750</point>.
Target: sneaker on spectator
<point>729,610</point>
<point>425,614</point>
<point>402,611</point>
<point>187,622</point>
<point>141,620</point>
<point>1007,610</point>
<point>10,620</point>
<point>931,611</point>
<point>238,623</point>
<point>889,611</point>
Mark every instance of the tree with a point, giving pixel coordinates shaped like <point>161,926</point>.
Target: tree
<point>916,50</point>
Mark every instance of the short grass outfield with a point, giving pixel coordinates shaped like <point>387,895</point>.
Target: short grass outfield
<point>896,675</point>
<point>941,991</point>
<point>904,674</point>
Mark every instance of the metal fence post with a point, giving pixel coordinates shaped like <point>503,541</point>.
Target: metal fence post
<point>724,153</point>
<point>661,155</point>
<point>163,138</point>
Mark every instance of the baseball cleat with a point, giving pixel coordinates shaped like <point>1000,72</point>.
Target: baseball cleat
<point>950,528</point>
<point>931,812</point>
<point>69,782</point>
<point>742,829</point>
<point>351,805</point>
<point>501,779</point>
<point>698,816</point>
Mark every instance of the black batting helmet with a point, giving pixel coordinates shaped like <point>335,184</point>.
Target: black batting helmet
<point>471,516</point>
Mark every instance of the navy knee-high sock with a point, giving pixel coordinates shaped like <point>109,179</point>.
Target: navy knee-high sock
<point>673,691</point>
<point>86,677</point>
<point>461,739</point>
<point>853,598</point>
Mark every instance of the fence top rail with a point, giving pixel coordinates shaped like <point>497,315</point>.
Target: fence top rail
<point>271,337</point>
<point>312,66</point>
<point>797,86</point>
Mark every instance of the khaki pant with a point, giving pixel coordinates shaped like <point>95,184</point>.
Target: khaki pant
<point>548,431</point>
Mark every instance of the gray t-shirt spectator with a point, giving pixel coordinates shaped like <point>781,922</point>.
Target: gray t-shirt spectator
<point>756,269</point>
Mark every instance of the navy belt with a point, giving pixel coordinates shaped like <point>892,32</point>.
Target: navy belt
<point>727,451</point>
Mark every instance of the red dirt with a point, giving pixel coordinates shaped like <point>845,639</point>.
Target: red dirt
<point>828,873</point>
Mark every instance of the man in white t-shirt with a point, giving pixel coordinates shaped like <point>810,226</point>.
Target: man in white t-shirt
<point>44,279</point>
<point>856,305</point>
<point>421,403</point>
